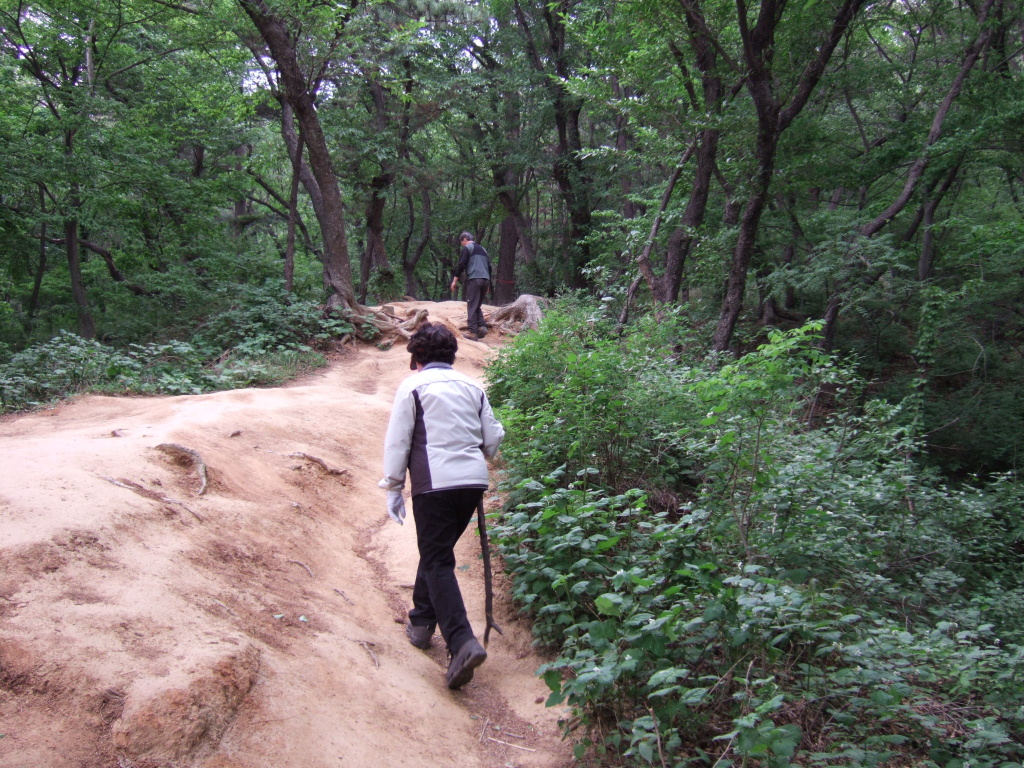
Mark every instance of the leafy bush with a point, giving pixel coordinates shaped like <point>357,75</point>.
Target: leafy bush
<point>574,393</point>
<point>817,598</point>
<point>267,320</point>
<point>264,342</point>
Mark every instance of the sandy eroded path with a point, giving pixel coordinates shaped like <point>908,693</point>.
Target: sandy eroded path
<point>255,625</point>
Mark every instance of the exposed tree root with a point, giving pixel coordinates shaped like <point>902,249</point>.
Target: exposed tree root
<point>370,322</point>
<point>316,460</point>
<point>181,452</point>
<point>143,491</point>
<point>523,313</point>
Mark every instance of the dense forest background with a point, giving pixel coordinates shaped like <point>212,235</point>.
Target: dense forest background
<point>786,241</point>
<point>764,164</point>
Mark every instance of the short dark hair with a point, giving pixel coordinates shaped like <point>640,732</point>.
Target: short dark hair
<point>465,236</point>
<point>432,343</point>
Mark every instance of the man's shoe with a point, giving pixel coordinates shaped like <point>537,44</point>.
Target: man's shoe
<point>419,636</point>
<point>482,331</point>
<point>460,669</point>
<point>471,336</point>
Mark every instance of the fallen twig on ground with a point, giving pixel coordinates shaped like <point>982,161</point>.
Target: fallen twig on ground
<point>514,746</point>
<point>366,644</point>
<point>218,602</point>
<point>308,570</point>
<point>143,491</point>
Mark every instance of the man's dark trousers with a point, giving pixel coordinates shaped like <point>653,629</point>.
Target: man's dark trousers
<point>441,518</point>
<point>476,289</point>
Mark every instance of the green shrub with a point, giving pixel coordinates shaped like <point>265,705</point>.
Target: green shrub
<point>816,597</point>
<point>267,320</point>
<point>574,393</point>
<point>265,342</point>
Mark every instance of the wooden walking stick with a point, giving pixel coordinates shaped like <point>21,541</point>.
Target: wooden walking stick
<point>485,549</point>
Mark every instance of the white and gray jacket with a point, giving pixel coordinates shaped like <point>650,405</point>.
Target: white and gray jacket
<point>442,430</point>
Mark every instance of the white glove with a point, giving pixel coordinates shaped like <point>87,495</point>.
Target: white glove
<point>396,507</point>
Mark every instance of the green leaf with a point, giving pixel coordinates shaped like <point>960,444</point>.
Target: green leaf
<point>610,604</point>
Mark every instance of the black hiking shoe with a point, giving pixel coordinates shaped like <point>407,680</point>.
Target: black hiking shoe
<point>419,636</point>
<point>482,331</point>
<point>460,669</point>
<point>471,336</point>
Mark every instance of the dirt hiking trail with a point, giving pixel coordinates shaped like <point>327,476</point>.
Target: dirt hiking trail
<point>149,622</point>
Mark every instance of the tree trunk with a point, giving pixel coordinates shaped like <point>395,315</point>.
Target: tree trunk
<point>974,51</point>
<point>412,286</point>
<point>293,142</point>
<point>681,241</point>
<point>736,282</point>
<point>241,208</point>
<point>375,257</point>
<point>295,153</point>
<point>630,210</point>
<point>916,172</point>
<point>508,183</point>
<point>643,261</point>
<point>926,259</point>
<point>37,284</point>
<point>86,326</point>
<point>504,283</point>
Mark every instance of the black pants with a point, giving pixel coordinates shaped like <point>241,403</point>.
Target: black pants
<point>441,518</point>
<point>476,289</point>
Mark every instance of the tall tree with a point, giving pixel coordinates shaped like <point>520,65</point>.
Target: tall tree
<point>775,114</point>
<point>283,38</point>
<point>972,54</point>
<point>546,29</point>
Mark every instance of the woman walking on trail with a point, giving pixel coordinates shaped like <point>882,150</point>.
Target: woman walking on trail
<point>442,430</point>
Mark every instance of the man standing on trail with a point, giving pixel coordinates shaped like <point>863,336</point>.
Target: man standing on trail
<point>442,430</point>
<point>476,264</point>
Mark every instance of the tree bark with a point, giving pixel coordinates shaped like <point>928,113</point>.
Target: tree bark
<point>375,257</point>
<point>86,326</point>
<point>295,153</point>
<point>294,143</point>
<point>37,284</point>
<point>412,285</point>
<point>644,259</point>
<point>681,241</point>
<point>504,283</point>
